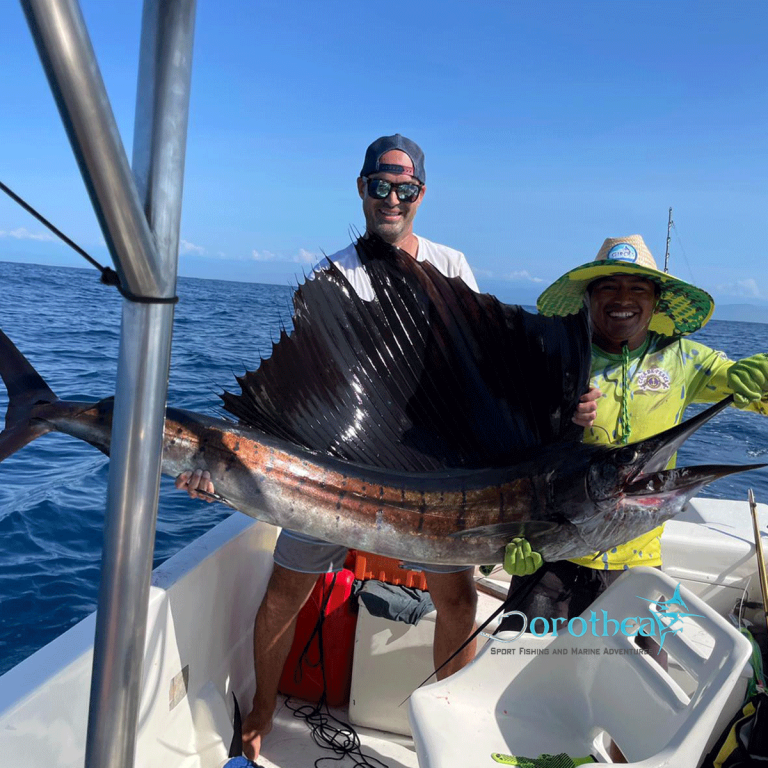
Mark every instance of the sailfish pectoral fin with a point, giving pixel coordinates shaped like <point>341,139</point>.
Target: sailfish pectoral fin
<point>498,535</point>
<point>512,530</point>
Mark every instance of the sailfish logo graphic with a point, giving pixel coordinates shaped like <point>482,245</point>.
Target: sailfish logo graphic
<point>669,613</point>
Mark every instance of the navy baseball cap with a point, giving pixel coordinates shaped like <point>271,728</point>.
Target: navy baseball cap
<point>387,143</point>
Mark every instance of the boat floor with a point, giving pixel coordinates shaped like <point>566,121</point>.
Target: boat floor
<point>290,743</point>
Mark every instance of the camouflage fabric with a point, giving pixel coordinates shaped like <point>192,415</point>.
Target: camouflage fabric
<point>683,308</point>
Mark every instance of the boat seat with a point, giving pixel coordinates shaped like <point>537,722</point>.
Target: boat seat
<point>577,692</point>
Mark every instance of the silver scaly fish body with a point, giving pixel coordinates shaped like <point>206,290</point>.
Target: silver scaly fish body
<point>399,514</point>
<point>568,501</point>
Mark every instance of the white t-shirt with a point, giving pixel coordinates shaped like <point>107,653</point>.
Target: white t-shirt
<point>450,262</point>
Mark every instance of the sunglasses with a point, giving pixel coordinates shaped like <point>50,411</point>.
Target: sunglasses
<point>407,192</point>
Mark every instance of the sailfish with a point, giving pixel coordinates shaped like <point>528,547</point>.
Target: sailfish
<point>432,423</point>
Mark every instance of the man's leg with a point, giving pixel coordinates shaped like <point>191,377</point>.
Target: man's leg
<point>455,599</point>
<point>299,561</point>
<point>273,633</point>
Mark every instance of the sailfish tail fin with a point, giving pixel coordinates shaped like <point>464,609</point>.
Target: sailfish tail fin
<point>26,388</point>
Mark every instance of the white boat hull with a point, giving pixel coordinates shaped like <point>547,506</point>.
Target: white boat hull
<point>198,648</point>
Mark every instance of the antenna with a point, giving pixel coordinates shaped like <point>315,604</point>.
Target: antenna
<point>666,254</point>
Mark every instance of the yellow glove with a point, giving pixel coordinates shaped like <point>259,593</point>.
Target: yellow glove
<point>519,560</point>
<point>748,379</point>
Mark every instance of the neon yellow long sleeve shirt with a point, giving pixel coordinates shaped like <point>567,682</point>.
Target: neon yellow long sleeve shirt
<point>665,376</point>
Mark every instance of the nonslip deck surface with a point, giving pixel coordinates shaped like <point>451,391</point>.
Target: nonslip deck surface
<point>290,743</point>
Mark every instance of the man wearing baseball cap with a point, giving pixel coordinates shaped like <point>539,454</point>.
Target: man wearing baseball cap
<point>645,373</point>
<point>391,184</point>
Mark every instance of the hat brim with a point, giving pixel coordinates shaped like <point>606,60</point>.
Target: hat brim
<point>683,308</point>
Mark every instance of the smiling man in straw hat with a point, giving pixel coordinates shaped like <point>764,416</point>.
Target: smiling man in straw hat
<point>644,375</point>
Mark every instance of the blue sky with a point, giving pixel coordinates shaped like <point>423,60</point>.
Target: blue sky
<point>547,127</point>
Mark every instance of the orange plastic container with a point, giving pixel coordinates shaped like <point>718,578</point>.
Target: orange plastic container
<point>386,569</point>
<point>306,681</point>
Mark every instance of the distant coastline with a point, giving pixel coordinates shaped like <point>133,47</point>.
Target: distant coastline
<point>741,313</point>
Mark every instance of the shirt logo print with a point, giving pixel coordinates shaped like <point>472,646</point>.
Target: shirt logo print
<point>653,380</point>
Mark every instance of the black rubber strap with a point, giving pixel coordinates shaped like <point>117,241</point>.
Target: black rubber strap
<point>110,277</point>
<point>146,299</point>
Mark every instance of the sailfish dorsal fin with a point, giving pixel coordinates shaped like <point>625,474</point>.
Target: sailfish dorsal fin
<point>427,375</point>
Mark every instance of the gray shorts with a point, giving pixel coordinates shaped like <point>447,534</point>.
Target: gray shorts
<point>307,554</point>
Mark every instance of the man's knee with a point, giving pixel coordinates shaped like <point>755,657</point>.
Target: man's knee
<point>288,590</point>
<point>453,593</point>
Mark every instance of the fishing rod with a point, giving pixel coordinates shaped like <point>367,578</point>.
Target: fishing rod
<point>759,555</point>
<point>108,275</point>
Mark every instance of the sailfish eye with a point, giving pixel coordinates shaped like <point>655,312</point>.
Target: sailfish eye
<point>626,456</point>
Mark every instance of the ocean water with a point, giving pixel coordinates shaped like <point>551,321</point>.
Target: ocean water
<point>52,493</point>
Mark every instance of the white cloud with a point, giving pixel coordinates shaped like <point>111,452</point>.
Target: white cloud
<point>186,247</point>
<point>302,257</point>
<point>22,234</point>
<point>263,256</point>
<point>306,257</point>
<point>522,276</point>
<point>482,272</point>
<point>743,288</point>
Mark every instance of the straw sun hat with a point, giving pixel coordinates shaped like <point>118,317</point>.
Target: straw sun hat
<point>683,308</point>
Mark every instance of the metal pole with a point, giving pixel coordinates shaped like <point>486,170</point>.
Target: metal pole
<point>73,73</point>
<point>160,128</point>
<point>146,262</point>
<point>666,254</point>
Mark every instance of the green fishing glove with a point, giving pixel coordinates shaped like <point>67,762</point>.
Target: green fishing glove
<point>748,379</point>
<point>542,761</point>
<point>519,560</point>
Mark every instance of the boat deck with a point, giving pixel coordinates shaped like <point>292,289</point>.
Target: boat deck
<point>290,743</point>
